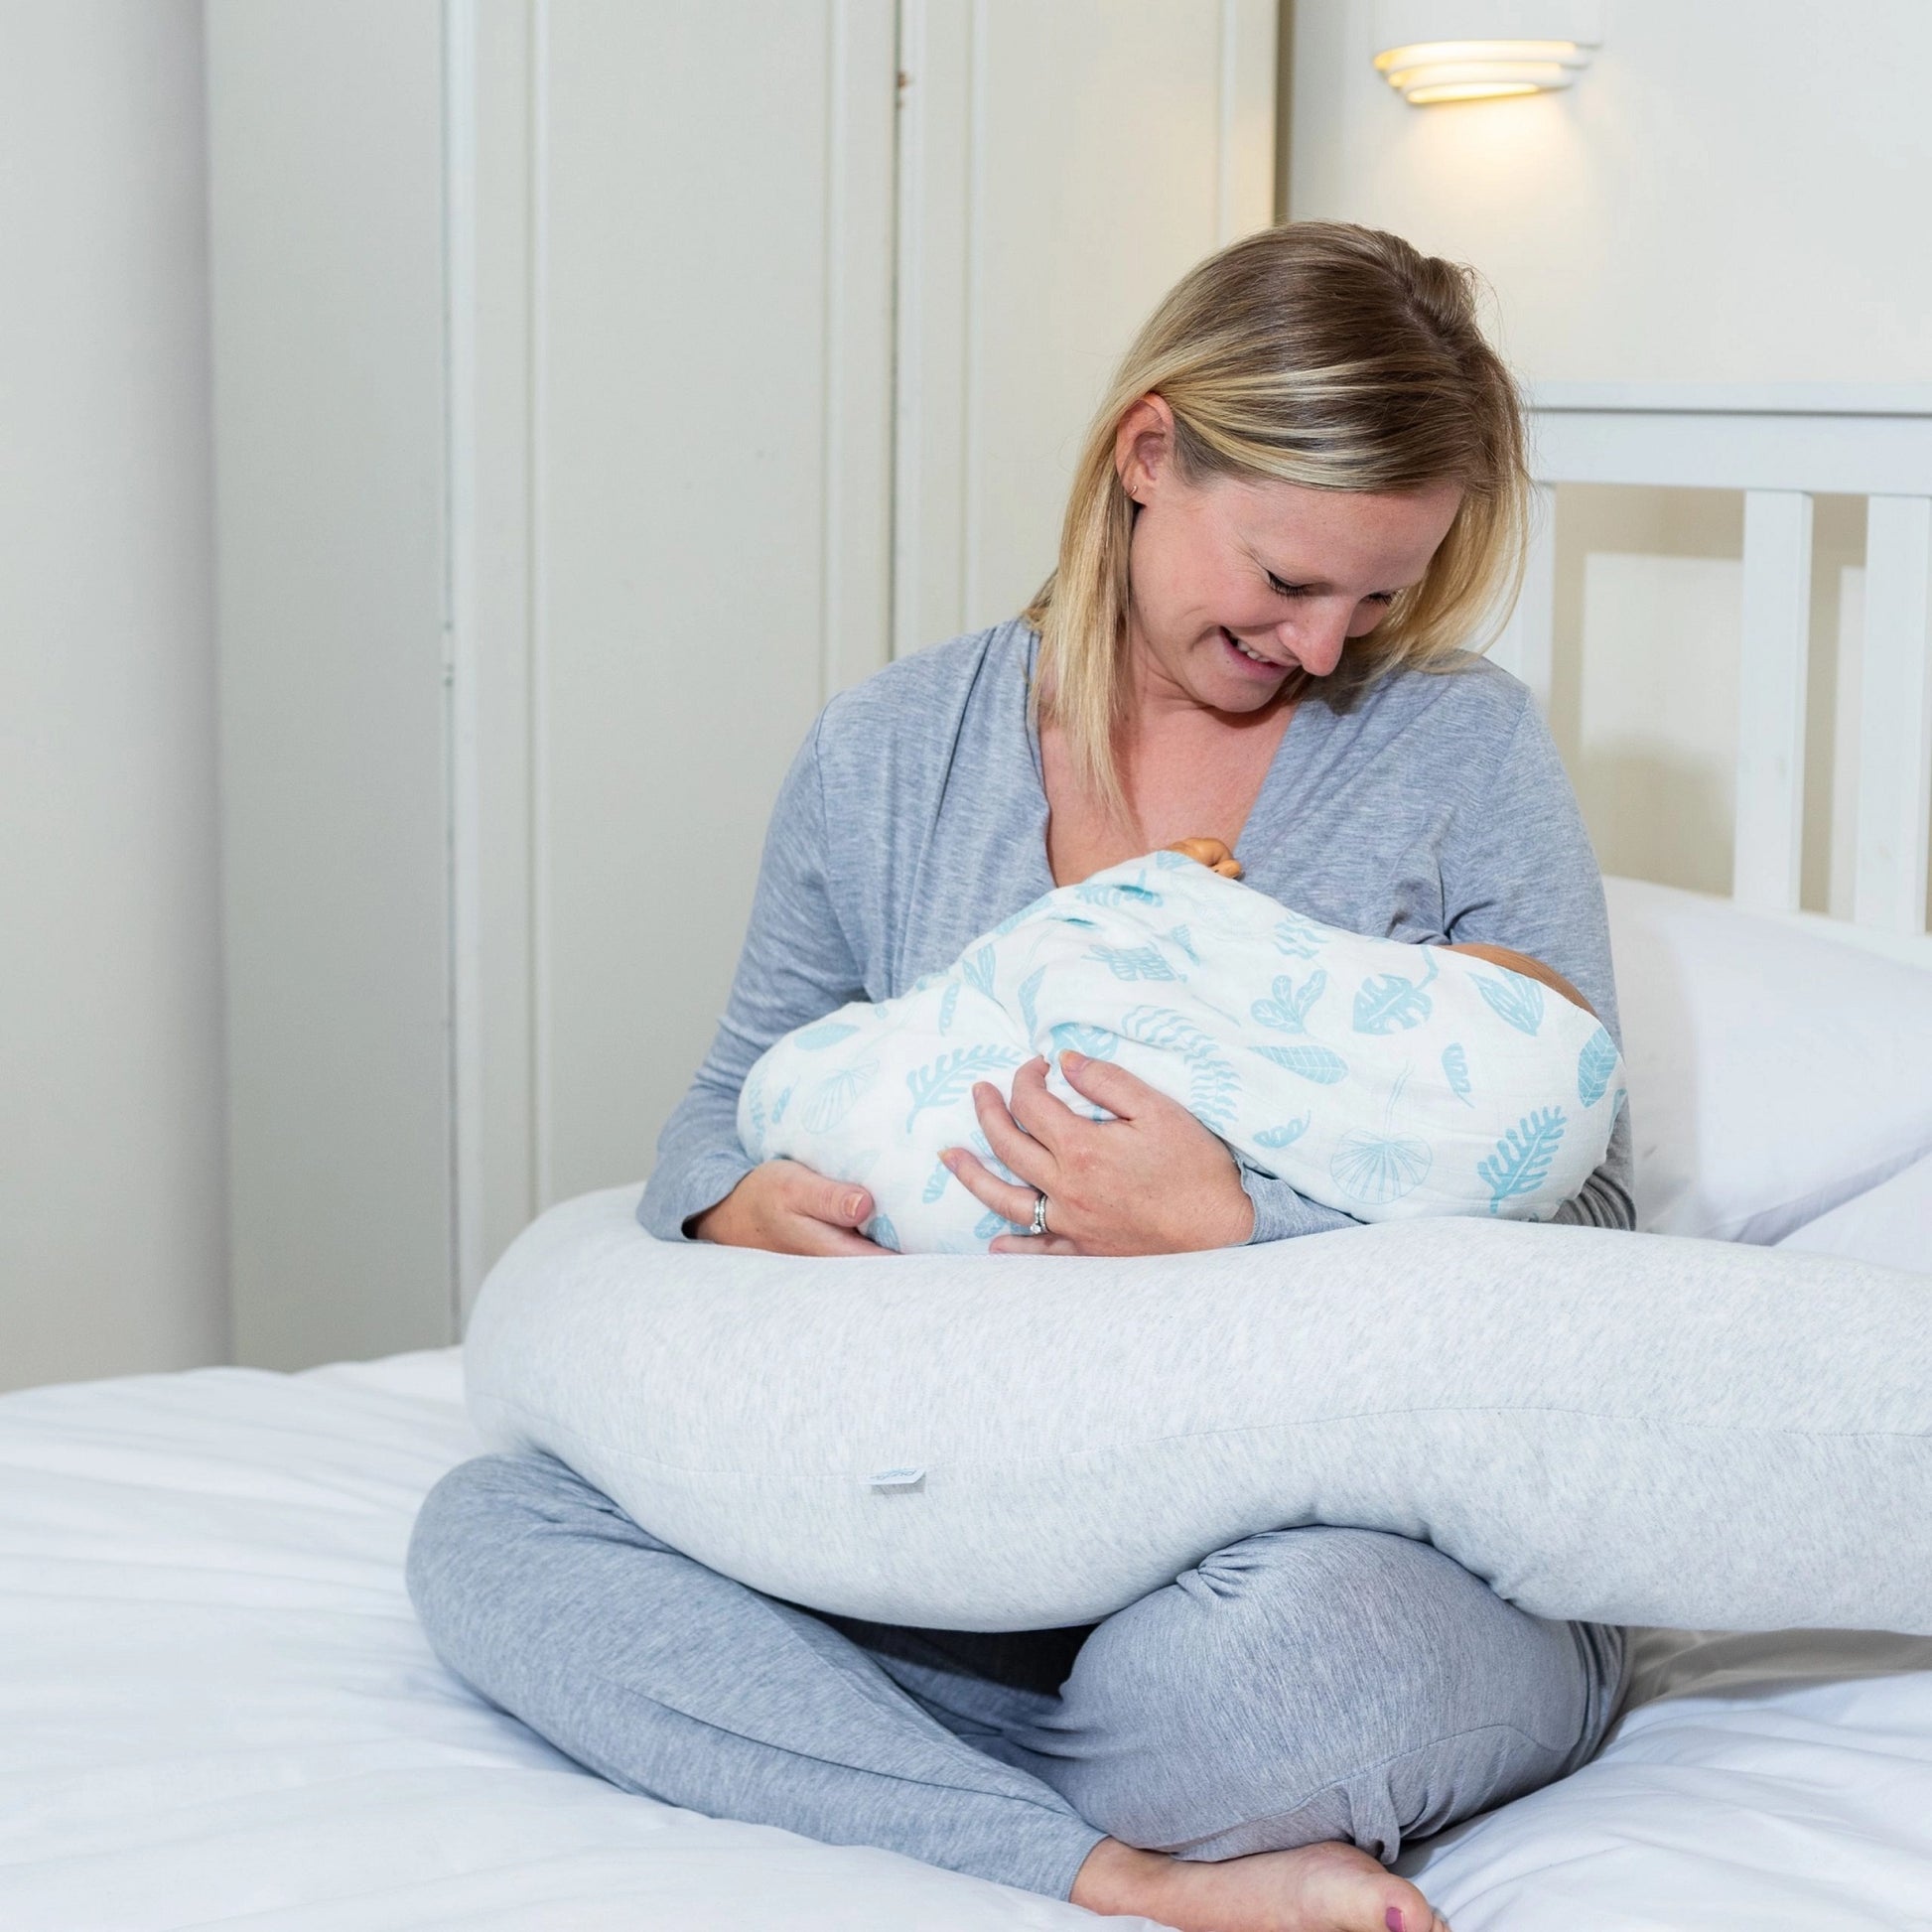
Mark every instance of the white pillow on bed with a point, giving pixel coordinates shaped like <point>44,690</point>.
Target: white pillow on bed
<point>1603,1425</point>
<point>1773,1073</point>
<point>1890,1224</point>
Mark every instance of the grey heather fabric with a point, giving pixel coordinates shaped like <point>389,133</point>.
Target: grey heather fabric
<point>1623,1428</point>
<point>913,819</point>
<point>1305,1685</point>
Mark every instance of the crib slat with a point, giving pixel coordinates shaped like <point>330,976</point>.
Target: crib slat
<point>1770,841</point>
<point>1896,721</point>
<point>1527,643</point>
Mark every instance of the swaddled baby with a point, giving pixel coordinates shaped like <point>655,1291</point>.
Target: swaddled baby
<point>1385,1079</point>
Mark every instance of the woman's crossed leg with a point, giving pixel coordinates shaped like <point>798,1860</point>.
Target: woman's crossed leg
<point>1238,1749</point>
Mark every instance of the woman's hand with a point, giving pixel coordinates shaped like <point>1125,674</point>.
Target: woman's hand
<point>787,1208</point>
<point>1151,1181</point>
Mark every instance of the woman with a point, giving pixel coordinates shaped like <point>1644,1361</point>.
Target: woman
<point>1302,496</point>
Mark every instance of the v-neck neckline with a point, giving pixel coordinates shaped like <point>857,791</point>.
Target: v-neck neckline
<point>1265,804</point>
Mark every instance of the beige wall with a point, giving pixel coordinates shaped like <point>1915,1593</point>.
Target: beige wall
<point>1730,193</point>
<point>325,155</point>
<point>111,1215</point>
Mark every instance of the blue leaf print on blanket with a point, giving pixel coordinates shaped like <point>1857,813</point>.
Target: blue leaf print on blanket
<point>1213,1086</point>
<point>1521,1162</point>
<point>827,1033</point>
<point>1133,962</point>
<point>1019,918</point>
<point>1028,991</point>
<point>1376,1169</point>
<point>836,1094</point>
<point>780,1105</point>
<point>1455,1071</point>
<point>990,1224</point>
<point>937,1183</point>
<point>1288,1011</point>
<point>1299,938</point>
<point>1115,895</point>
<point>1390,1000</point>
<point>1310,1062</point>
<point>1515,999</point>
<point>881,1229</point>
<point>1285,1136</point>
<point>947,1002</point>
<point>953,1074</point>
<point>1594,1065</point>
<point>979,968</point>
<point>1095,1042</point>
<point>1179,936</point>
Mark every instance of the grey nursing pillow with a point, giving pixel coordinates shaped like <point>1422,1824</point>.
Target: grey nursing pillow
<point>1628,1428</point>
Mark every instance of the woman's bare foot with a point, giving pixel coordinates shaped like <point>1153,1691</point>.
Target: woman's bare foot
<point>1315,1888</point>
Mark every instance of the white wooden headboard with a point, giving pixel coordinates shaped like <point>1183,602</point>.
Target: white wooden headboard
<point>1781,446</point>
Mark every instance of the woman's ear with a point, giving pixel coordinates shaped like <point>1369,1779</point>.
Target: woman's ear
<point>1144,446</point>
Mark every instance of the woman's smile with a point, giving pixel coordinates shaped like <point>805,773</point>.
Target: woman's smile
<point>1249,660</point>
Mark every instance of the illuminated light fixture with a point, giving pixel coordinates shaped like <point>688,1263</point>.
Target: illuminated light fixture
<point>1483,50</point>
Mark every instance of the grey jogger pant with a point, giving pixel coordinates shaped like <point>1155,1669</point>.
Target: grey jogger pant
<point>1296,1686</point>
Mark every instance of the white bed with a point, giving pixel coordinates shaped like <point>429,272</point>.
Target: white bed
<point>218,1710</point>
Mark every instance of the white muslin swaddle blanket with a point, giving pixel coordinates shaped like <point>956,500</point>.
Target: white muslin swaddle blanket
<point>1385,1079</point>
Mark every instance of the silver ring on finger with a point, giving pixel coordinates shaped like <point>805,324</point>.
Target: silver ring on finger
<point>1039,1214</point>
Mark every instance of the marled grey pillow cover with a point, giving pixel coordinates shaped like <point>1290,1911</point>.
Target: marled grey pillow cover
<point>1628,1428</point>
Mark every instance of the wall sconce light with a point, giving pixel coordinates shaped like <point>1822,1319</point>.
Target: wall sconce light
<point>1433,51</point>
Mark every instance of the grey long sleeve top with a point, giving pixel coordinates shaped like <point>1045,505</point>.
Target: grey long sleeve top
<point>914,818</point>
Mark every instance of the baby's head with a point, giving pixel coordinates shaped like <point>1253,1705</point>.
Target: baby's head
<point>1212,854</point>
<point>1521,962</point>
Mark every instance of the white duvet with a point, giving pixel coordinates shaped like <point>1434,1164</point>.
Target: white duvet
<point>216,1709</point>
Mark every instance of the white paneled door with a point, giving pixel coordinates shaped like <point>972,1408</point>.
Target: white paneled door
<point>768,332</point>
<point>1060,168</point>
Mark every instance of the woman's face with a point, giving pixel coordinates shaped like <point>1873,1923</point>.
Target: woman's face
<point>1234,584</point>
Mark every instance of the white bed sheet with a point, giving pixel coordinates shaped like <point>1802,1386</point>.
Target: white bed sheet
<point>218,1708</point>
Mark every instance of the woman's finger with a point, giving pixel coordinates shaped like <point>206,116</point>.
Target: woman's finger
<point>1015,1205</point>
<point>1124,1096</point>
<point>1029,1244</point>
<point>1039,1111</point>
<point>822,1216</point>
<point>821,1238</point>
<point>842,1202</point>
<point>1028,1159</point>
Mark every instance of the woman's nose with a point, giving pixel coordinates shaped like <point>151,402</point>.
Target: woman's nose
<point>1317,639</point>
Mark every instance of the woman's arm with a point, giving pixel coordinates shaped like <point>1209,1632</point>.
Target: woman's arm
<point>1522,874</point>
<point>796,965</point>
<point>1280,1212</point>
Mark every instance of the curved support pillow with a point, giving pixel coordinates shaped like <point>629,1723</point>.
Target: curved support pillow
<point>1626,1427</point>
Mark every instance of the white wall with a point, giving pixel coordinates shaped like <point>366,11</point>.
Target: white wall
<point>326,167</point>
<point>111,1192</point>
<point>1725,196</point>
<point>1729,194</point>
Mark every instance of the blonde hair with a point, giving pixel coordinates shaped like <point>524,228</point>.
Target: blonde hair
<point>1318,354</point>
